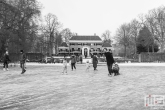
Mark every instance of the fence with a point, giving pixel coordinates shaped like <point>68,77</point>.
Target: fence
<point>152,57</point>
<point>33,57</point>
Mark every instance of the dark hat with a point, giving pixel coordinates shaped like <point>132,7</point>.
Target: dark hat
<point>21,50</point>
<point>110,51</point>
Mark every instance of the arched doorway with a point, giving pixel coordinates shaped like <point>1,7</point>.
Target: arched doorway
<point>85,51</point>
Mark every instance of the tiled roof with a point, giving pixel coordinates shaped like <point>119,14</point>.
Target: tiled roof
<point>106,45</point>
<point>85,38</point>
<point>64,44</point>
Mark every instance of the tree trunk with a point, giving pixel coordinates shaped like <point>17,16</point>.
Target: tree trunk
<point>50,48</point>
<point>2,48</point>
<point>153,49</point>
<point>162,41</point>
<point>162,47</point>
<point>135,50</point>
<point>148,49</point>
<point>135,45</point>
<point>125,51</point>
<point>56,48</point>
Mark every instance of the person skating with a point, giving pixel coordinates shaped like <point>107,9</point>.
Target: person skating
<point>81,59</point>
<point>73,62</point>
<point>64,66</point>
<point>95,62</point>
<point>6,61</point>
<point>22,61</point>
<point>110,60</point>
<point>87,65</point>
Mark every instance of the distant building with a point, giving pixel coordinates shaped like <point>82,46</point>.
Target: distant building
<point>63,49</point>
<point>84,45</point>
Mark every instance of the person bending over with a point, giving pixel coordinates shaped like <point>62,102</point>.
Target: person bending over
<point>110,60</point>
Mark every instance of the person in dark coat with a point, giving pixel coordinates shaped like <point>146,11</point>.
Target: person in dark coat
<point>22,61</point>
<point>95,62</point>
<point>73,62</point>
<point>109,59</point>
<point>85,54</point>
<point>6,61</point>
<point>81,59</point>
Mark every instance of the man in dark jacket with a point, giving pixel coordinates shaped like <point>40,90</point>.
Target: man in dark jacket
<point>81,59</point>
<point>73,62</point>
<point>6,61</point>
<point>95,62</point>
<point>110,60</point>
<point>22,61</point>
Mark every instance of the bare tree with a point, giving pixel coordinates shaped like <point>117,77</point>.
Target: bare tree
<point>142,19</point>
<point>18,20</point>
<point>135,27</point>
<point>150,24</point>
<point>159,26</point>
<point>107,36</point>
<point>155,21</point>
<point>123,36</point>
<point>50,29</point>
<point>58,41</point>
<point>66,35</point>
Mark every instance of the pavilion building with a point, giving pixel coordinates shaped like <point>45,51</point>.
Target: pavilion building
<point>84,45</point>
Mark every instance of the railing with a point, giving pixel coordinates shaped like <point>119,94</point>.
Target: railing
<point>152,57</point>
<point>63,51</point>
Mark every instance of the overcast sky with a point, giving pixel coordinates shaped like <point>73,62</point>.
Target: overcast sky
<point>87,17</point>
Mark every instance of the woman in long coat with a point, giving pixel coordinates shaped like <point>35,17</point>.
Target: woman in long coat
<point>95,62</point>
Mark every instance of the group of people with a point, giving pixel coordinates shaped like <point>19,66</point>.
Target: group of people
<point>73,60</point>
<point>6,61</point>
<point>109,58</point>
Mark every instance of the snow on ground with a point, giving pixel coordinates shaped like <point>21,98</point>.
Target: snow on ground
<point>45,88</point>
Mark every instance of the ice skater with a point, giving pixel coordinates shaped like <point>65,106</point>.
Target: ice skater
<point>110,60</point>
<point>22,61</point>
<point>73,62</point>
<point>64,66</point>
<point>81,59</point>
<point>115,69</point>
<point>95,62</point>
<point>87,65</point>
<point>6,61</point>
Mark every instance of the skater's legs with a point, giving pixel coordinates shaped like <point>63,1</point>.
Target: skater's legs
<point>74,66</point>
<point>22,65</point>
<point>110,69</point>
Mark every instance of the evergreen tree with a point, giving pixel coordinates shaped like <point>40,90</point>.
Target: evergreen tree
<point>145,41</point>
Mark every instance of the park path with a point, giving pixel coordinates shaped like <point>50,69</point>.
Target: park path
<point>44,88</point>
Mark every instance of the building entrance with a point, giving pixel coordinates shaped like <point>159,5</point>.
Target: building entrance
<point>85,51</point>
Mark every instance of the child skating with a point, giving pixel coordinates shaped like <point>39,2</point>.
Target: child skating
<point>64,66</point>
<point>87,65</point>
